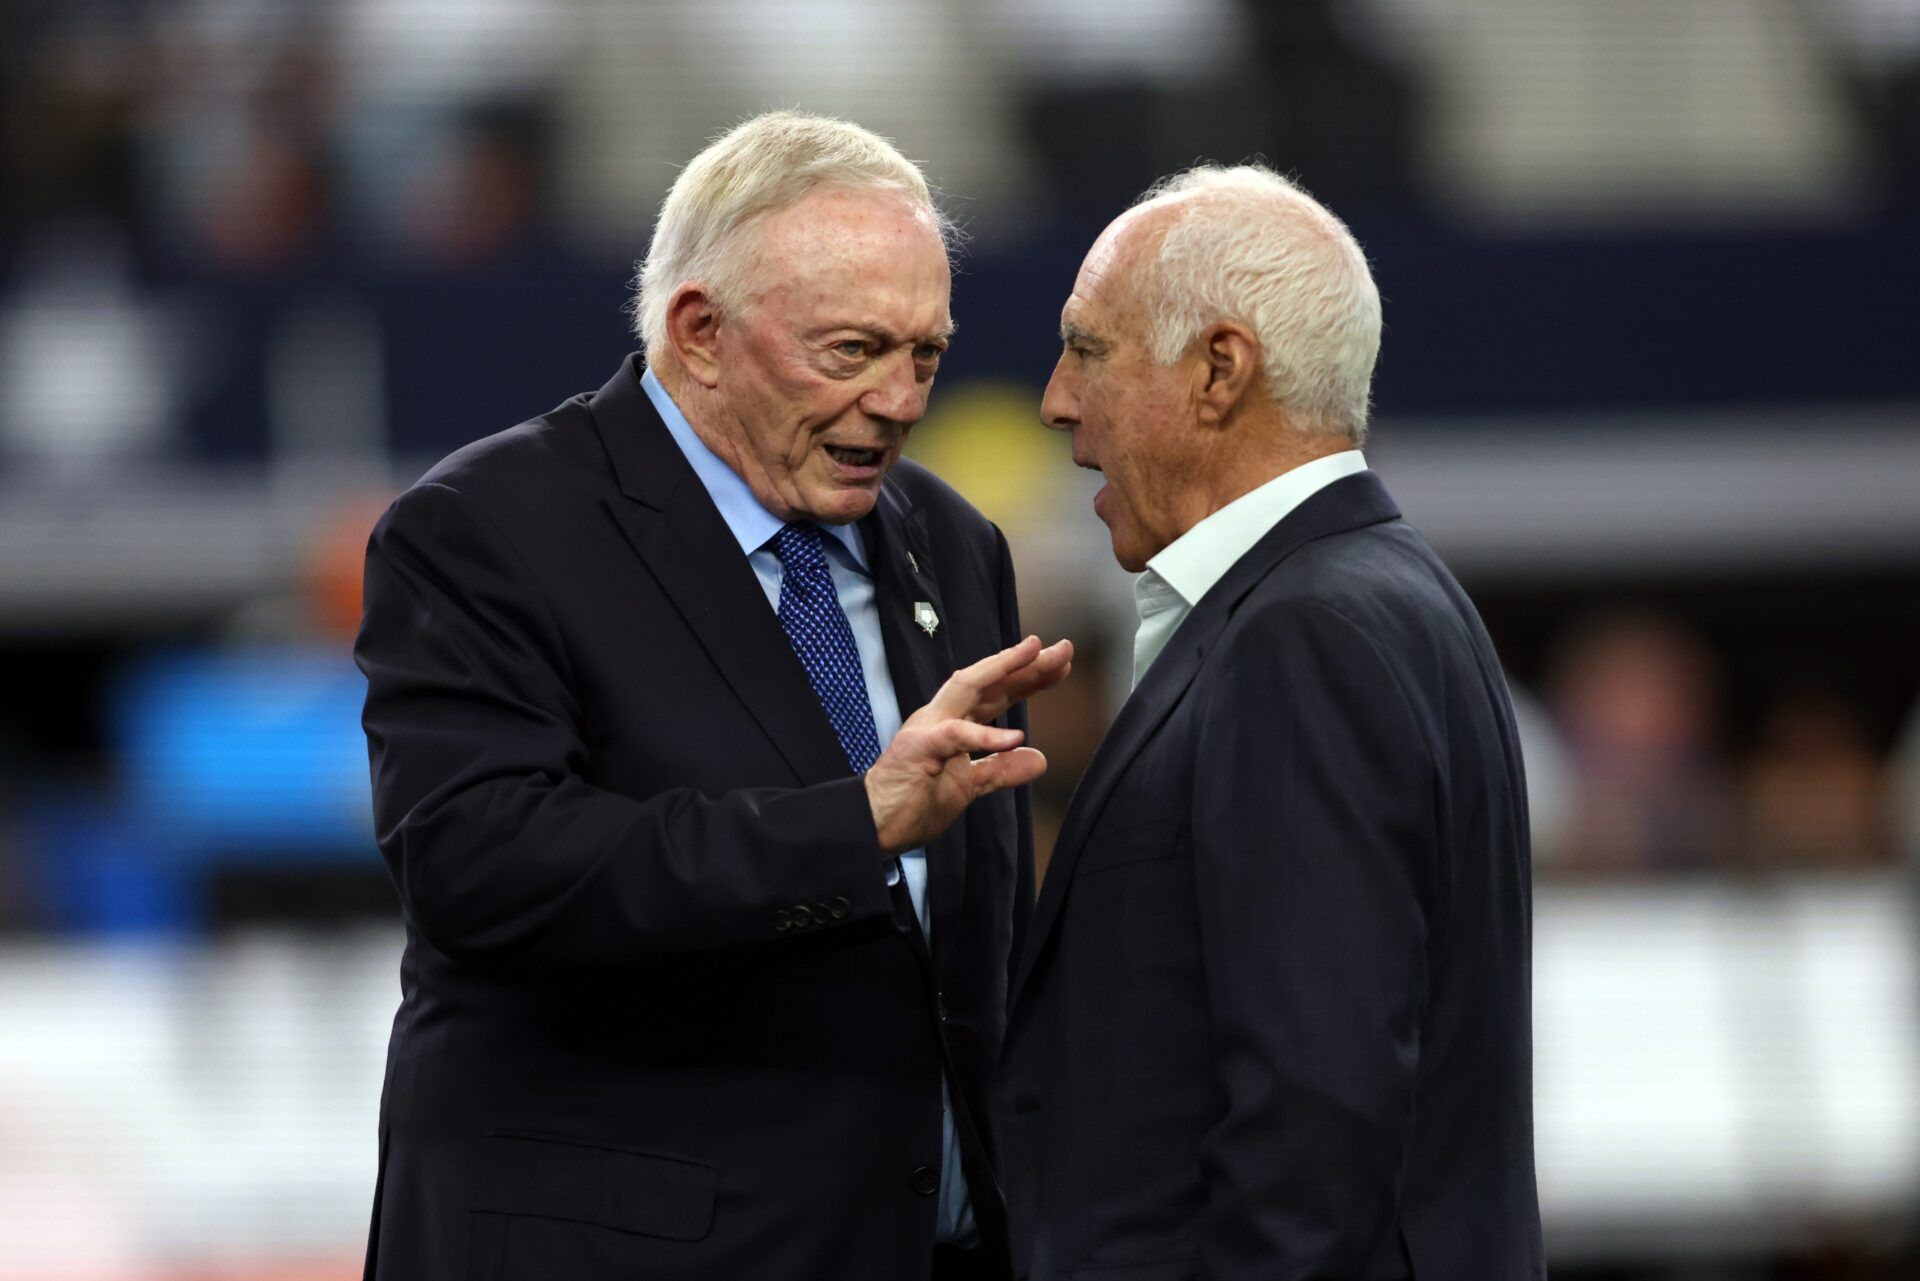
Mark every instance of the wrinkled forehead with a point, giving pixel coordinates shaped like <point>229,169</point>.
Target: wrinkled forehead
<point>1105,288</point>
<point>852,244</point>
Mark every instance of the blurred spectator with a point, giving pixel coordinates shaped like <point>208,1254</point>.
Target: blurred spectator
<point>1110,96</point>
<point>1878,57</point>
<point>1551,783</point>
<point>412,75</point>
<point>649,84</point>
<point>1338,110</point>
<point>1814,794</point>
<point>1642,110</point>
<point>89,364</point>
<point>235,134</point>
<point>266,210</point>
<point>70,86</point>
<point>1636,697</point>
<point>482,201</point>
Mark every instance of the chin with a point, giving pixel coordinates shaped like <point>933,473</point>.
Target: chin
<point>843,506</point>
<point>1126,546</point>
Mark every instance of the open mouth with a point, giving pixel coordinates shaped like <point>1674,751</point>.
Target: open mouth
<point>856,457</point>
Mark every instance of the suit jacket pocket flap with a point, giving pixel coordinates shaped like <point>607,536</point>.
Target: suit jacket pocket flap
<point>1131,841</point>
<point>640,1192</point>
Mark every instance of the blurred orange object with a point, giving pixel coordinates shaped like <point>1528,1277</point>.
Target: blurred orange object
<point>334,561</point>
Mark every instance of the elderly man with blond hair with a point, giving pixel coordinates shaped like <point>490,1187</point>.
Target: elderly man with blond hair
<point>1271,1019</point>
<point>696,743</point>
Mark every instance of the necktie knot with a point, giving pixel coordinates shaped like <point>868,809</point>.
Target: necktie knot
<point>799,547</point>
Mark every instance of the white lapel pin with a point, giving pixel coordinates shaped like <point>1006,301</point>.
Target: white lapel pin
<point>923,614</point>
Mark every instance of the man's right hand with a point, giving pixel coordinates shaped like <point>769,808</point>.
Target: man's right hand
<point>927,775</point>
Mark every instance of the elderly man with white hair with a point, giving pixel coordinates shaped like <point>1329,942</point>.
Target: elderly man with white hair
<point>708,928</point>
<point>1271,1018</point>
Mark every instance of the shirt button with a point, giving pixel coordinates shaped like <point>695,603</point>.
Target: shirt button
<point>926,1181</point>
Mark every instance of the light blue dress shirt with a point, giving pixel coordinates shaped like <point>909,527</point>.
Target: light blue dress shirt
<point>754,527</point>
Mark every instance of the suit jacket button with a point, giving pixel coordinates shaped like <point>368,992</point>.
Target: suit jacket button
<point>801,916</point>
<point>782,922</point>
<point>926,1181</point>
<point>822,914</point>
<point>839,908</point>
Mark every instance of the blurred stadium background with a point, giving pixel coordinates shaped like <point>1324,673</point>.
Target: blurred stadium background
<point>1651,382</point>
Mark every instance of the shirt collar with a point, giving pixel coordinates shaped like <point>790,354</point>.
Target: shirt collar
<point>1192,563</point>
<point>752,524</point>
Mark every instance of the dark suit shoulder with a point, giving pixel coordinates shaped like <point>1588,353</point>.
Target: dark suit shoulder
<point>941,503</point>
<point>527,462</point>
<point>1362,574</point>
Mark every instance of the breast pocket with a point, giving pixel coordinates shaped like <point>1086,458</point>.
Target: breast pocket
<point>638,1192</point>
<point>1129,841</point>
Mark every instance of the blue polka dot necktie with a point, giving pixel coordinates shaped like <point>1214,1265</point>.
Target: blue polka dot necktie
<point>816,627</point>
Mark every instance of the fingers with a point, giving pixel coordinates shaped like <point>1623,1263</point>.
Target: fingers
<point>1048,669</point>
<point>1007,769</point>
<point>965,687</point>
<point>955,737</point>
<point>987,688</point>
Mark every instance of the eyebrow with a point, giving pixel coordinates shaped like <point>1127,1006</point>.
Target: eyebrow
<point>888,338</point>
<point>1071,334</point>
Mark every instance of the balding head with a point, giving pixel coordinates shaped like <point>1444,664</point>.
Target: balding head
<point>1247,244</point>
<point>1220,333</point>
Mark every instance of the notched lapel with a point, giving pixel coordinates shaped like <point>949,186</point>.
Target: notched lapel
<point>1151,702</point>
<point>679,534</point>
<point>918,661</point>
<point>1350,503</point>
<point>903,567</point>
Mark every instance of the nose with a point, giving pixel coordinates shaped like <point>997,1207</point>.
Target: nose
<point>1060,406</point>
<point>899,394</point>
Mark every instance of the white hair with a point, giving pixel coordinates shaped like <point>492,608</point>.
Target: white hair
<point>1250,245</point>
<point>760,165</point>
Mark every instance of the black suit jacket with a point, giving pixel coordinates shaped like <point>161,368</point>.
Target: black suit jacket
<point>661,1016</point>
<point>1272,1017</point>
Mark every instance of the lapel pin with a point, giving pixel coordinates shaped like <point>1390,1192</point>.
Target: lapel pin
<point>912,564</point>
<point>923,614</point>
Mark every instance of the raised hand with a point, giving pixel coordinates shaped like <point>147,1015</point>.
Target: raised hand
<point>927,775</point>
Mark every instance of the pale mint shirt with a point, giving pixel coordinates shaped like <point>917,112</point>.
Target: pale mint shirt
<point>1188,567</point>
<point>754,527</point>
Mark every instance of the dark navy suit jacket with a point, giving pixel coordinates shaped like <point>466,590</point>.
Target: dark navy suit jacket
<point>661,1015</point>
<point>1271,1019</point>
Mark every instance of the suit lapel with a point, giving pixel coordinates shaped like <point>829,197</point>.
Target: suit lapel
<point>1349,503</point>
<point>671,522</point>
<point>1150,703</point>
<point>904,575</point>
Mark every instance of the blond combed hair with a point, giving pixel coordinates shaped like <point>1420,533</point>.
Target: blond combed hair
<point>761,165</point>
<point>1248,244</point>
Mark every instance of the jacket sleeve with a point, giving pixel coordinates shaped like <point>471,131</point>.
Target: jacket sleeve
<point>502,852</point>
<point>1315,848</point>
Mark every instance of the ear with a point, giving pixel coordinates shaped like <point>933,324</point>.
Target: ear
<point>1227,369</point>
<point>693,331</point>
